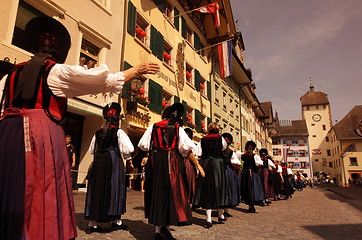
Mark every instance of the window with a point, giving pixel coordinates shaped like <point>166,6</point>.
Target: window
<point>295,153</point>
<point>307,107</point>
<point>190,117</point>
<point>316,160</point>
<point>353,161</point>
<point>317,107</point>
<point>203,123</point>
<point>142,30</point>
<point>324,127</point>
<point>24,15</point>
<point>166,99</point>
<point>167,53</point>
<point>188,35</point>
<point>90,52</point>
<point>224,102</point>
<point>291,164</point>
<point>330,164</point>
<point>300,142</point>
<point>328,152</point>
<point>203,86</point>
<point>231,106</point>
<point>237,111</point>
<point>313,124</point>
<point>168,10</point>
<point>290,153</point>
<point>314,136</point>
<point>302,164</point>
<point>276,141</point>
<point>327,139</point>
<point>217,97</point>
<point>189,74</point>
<point>302,153</point>
<point>102,2</point>
<point>289,142</point>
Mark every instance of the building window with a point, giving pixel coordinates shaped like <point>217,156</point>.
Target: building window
<point>324,127</point>
<point>316,160</point>
<point>330,164</point>
<point>314,136</point>
<point>312,124</point>
<point>353,161</point>
<point>188,35</point>
<point>328,152</point>
<point>224,102</point>
<point>302,164</point>
<point>217,97</point>
<point>307,107</point>
<point>167,53</point>
<point>142,30</point>
<point>90,53</point>
<point>291,164</point>
<point>189,74</point>
<point>24,15</point>
<point>231,106</point>
<point>276,141</point>
<point>302,153</point>
<point>317,107</point>
<point>290,153</point>
<point>289,142</point>
<point>203,84</point>
<point>166,99</point>
<point>190,117</point>
<point>327,139</point>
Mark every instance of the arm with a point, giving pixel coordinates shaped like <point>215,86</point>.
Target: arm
<point>91,146</point>
<point>73,160</point>
<point>145,141</point>
<point>258,160</point>
<point>192,158</point>
<point>125,145</point>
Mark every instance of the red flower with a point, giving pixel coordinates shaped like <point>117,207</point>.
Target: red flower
<point>139,30</point>
<point>188,75</point>
<point>143,34</point>
<point>141,91</point>
<point>202,86</point>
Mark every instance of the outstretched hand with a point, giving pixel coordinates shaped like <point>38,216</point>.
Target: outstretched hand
<point>147,68</point>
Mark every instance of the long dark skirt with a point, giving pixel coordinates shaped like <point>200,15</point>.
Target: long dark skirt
<point>166,193</point>
<point>191,179</point>
<point>287,188</point>
<point>251,187</point>
<point>106,192</point>
<point>233,181</point>
<point>277,183</point>
<point>212,190</point>
<point>267,184</point>
<point>36,200</point>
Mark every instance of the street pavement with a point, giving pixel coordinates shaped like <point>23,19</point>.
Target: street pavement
<point>319,213</point>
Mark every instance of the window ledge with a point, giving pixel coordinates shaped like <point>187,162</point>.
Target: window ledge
<point>101,6</point>
<point>142,44</point>
<point>168,67</point>
<point>190,85</point>
<point>169,20</point>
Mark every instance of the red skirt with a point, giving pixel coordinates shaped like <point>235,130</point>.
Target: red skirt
<point>48,208</point>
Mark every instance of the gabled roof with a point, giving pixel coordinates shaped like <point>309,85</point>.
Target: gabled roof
<point>268,111</point>
<point>345,129</point>
<point>295,128</point>
<point>314,98</point>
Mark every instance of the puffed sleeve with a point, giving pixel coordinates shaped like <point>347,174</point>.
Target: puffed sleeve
<point>289,171</point>
<point>125,145</point>
<point>91,146</point>
<point>185,144</point>
<point>258,160</point>
<point>198,150</point>
<point>70,81</point>
<point>280,170</point>
<point>234,159</point>
<point>271,164</point>
<point>224,144</point>
<point>145,141</point>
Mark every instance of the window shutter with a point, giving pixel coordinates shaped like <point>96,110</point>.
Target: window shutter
<point>185,110</point>
<point>159,46</point>
<point>160,4</point>
<point>176,99</point>
<point>176,20</point>
<point>155,96</point>
<point>156,43</point>
<point>131,21</point>
<point>208,122</point>
<point>198,120</point>
<point>183,27</point>
<point>126,90</point>
<point>153,43</point>
<point>197,42</point>
<point>197,80</point>
<point>208,90</point>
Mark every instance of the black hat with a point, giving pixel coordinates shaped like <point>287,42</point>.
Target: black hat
<point>45,34</point>
<point>263,152</point>
<point>250,145</point>
<point>176,110</point>
<point>112,112</point>
<point>5,68</point>
<point>228,137</point>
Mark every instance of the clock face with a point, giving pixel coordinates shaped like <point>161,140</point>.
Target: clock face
<point>316,117</point>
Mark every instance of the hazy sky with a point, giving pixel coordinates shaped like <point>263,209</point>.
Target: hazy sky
<point>289,41</point>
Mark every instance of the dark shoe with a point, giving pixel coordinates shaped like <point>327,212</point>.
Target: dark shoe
<point>208,225</point>
<point>158,236</point>
<point>221,220</point>
<point>167,233</point>
<point>115,227</point>
<point>252,210</point>
<point>262,204</point>
<point>90,230</point>
<point>227,215</point>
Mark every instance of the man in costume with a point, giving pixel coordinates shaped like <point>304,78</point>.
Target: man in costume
<point>251,187</point>
<point>212,190</point>
<point>166,193</point>
<point>106,192</point>
<point>35,185</point>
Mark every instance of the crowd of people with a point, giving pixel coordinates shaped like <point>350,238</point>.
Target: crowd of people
<point>35,185</point>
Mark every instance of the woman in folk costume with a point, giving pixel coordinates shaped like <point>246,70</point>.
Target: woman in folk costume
<point>106,191</point>
<point>287,188</point>
<point>251,186</point>
<point>166,193</point>
<point>232,172</point>
<point>212,191</point>
<point>265,174</point>
<point>277,180</point>
<point>35,186</point>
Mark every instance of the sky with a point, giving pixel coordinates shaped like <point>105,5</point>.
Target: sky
<point>287,42</point>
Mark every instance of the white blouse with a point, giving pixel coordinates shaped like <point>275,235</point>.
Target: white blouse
<point>198,151</point>
<point>279,169</point>
<point>72,80</point>
<point>235,159</point>
<point>289,171</point>
<point>185,144</point>
<point>271,164</point>
<point>258,160</point>
<point>124,143</point>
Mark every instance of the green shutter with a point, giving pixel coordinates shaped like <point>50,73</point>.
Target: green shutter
<point>197,80</point>
<point>159,46</point>
<point>208,122</point>
<point>160,4</point>
<point>197,42</point>
<point>126,90</point>
<point>155,96</point>
<point>183,27</point>
<point>208,90</point>
<point>176,20</point>
<point>131,22</point>
<point>176,99</point>
<point>185,110</point>
<point>198,120</point>
<point>153,43</point>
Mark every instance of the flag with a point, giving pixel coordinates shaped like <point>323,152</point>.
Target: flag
<point>349,148</point>
<point>316,151</point>
<point>224,51</point>
<point>211,8</point>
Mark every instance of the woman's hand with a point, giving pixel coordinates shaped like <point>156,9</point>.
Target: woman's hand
<point>147,68</point>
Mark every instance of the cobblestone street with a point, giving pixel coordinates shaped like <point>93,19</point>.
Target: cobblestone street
<point>319,213</point>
